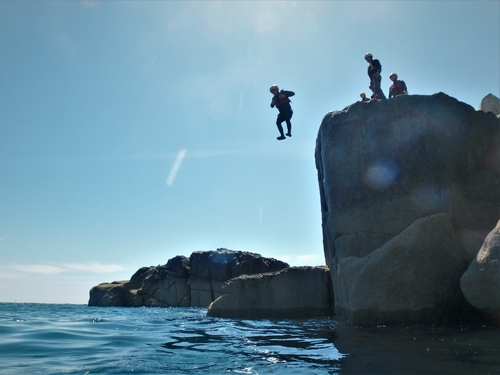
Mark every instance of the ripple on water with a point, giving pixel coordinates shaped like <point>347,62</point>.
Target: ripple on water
<point>74,339</point>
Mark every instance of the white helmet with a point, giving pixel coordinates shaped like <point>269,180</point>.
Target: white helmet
<point>274,88</point>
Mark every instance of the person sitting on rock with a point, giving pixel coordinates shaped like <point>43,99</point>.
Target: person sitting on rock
<point>363,97</point>
<point>282,102</point>
<point>374,70</point>
<point>398,87</point>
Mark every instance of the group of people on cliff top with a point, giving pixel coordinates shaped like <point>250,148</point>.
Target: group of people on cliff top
<point>397,88</point>
<point>281,98</point>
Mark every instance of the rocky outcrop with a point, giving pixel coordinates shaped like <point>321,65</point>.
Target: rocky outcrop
<point>295,292</point>
<point>183,282</point>
<point>481,282</point>
<point>166,285</point>
<point>383,166</point>
<point>211,269</point>
<point>490,103</point>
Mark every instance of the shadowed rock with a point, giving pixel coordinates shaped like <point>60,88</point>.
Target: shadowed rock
<point>182,282</point>
<point>295,292</point>
<point>211,269</point>
<point>109,294</point>
<point>414,276</point>
<point>481,282</point>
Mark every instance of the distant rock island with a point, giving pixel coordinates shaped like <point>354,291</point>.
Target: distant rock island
<point>183,282</point>
<point>410,204</point>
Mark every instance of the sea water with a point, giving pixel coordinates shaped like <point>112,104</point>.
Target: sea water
<point>77,339</point>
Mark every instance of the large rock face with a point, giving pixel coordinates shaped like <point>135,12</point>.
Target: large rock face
<point>295,292</point>
<point>183,282</point>
<point>414,276</point>
<point>382,165</point>
<point>481,283</point>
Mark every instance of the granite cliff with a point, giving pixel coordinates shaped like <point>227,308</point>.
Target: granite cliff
<point>409,189</point>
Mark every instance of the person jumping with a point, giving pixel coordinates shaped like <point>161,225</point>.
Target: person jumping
<point>281,101</point>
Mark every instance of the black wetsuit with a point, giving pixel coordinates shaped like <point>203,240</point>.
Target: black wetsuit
<point>282,102</point>
<point>373,68</point>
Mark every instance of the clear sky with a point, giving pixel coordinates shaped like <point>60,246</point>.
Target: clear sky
<point>135,131</point>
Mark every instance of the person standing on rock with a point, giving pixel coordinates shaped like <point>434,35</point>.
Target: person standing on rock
<point>374,70</point>
<point>398,87</point>
<point>282,102</point>
<point>363,97</point>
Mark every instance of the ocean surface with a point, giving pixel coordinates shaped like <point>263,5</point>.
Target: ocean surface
<point>77,339</point>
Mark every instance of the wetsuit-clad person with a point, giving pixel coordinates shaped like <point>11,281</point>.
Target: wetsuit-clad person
<point>282,102</point>
<point>374,70</point>
<point>398,87</point>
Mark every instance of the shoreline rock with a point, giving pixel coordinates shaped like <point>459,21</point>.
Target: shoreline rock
<point>292,293</point>
<point>182,282</point>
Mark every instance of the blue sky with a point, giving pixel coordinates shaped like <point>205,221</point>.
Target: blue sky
<point>135,131</point>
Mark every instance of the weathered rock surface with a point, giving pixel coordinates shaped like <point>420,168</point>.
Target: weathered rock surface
<point>481,282</point>
<point>382,166</point>
<point>295,292</point>
<point>211,269</point>
<point>490,103</point>
<point>414,276</point>
<point>182,282</point>
<point>108,294</point>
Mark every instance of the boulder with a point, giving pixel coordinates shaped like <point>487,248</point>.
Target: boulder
<point>413,277</point>
<point>295,292</point>
<point>490,103</point>
<point>382,166</point>
<point>182,282</point>
<point>481,282</point>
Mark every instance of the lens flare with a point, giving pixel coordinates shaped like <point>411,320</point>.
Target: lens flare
<point>382,174</point>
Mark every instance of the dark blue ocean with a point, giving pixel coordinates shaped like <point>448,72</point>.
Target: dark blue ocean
<point>76,339</point>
